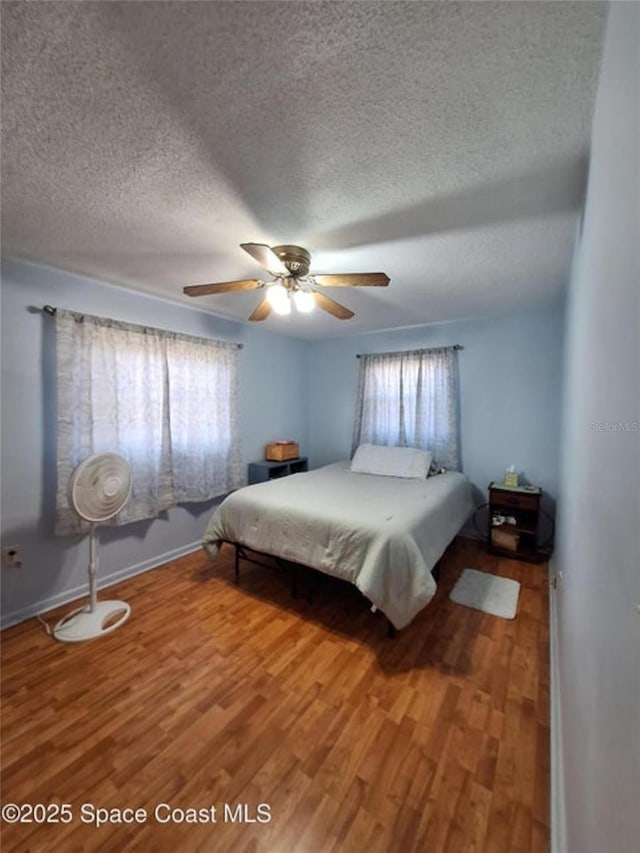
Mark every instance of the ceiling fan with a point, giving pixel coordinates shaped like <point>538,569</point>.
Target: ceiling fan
<point>289,266</point>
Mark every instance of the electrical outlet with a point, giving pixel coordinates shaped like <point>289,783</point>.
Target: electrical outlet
<point>11,558</point>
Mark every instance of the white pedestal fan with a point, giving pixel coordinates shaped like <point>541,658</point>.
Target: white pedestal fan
<point>98,489</point>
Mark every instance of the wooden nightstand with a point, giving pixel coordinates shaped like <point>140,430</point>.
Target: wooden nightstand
<point>260,472</point>
<point>522,504</point>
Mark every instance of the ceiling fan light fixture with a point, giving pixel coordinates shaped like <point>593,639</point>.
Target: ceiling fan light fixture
<point>278,298</point>
<point>304,301</point>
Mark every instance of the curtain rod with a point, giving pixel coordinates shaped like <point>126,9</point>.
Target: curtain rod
<point>403,352</point>
<point>49,309</point>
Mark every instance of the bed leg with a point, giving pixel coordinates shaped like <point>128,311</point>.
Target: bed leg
<point>391,630</point>
<point>237,564</point>
<point>310,586</point>
<point>294,580</point>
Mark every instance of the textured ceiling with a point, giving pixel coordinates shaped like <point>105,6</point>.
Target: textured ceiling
<point>443,143</point>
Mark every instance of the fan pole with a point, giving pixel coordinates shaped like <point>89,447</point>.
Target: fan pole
<point>93,568</point>
<point>98,489</point>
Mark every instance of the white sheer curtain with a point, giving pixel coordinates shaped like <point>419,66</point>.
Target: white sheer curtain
<point>166,402</point>
<point>410,399</point>
<point>205,446</point>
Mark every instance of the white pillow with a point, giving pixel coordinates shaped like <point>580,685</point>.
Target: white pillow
<point>407,462</point>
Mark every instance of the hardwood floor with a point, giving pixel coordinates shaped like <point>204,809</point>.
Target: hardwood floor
<point>213,694</point>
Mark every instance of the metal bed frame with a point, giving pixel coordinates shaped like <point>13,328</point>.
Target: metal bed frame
<point>243,552</point>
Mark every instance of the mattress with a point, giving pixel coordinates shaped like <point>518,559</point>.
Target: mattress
<point>382,534</point>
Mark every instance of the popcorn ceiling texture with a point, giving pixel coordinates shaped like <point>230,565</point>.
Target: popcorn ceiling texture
<point>443,143</point>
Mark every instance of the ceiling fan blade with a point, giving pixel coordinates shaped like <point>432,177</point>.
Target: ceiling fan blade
<point>262,311</point>
<point>354,279</point>
<point>332,306</point>
<point>222,287</point>
<point>266,257</point>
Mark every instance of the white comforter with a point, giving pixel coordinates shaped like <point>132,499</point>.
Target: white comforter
<point>383,534</point>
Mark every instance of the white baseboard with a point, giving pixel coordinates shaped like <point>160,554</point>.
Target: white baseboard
<point>69,595</point>
<point>558,814</point>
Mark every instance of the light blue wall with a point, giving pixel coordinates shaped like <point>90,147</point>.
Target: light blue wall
<point>510,376</point>
<point>273,403</point>
<point>598,625</point>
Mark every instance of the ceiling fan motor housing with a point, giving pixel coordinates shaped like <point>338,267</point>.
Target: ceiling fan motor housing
<point>295,258</point>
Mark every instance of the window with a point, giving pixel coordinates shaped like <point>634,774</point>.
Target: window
<point>166,402</point>
<point>410,399</point>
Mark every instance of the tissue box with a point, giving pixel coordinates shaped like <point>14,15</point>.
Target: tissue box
<point>511,479</point>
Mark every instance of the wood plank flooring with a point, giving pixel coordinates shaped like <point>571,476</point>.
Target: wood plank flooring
<point>215,694</point>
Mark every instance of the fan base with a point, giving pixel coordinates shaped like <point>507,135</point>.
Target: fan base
<point>87,624</point>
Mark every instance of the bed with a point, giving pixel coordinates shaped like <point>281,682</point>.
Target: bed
<point>384,534</point>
